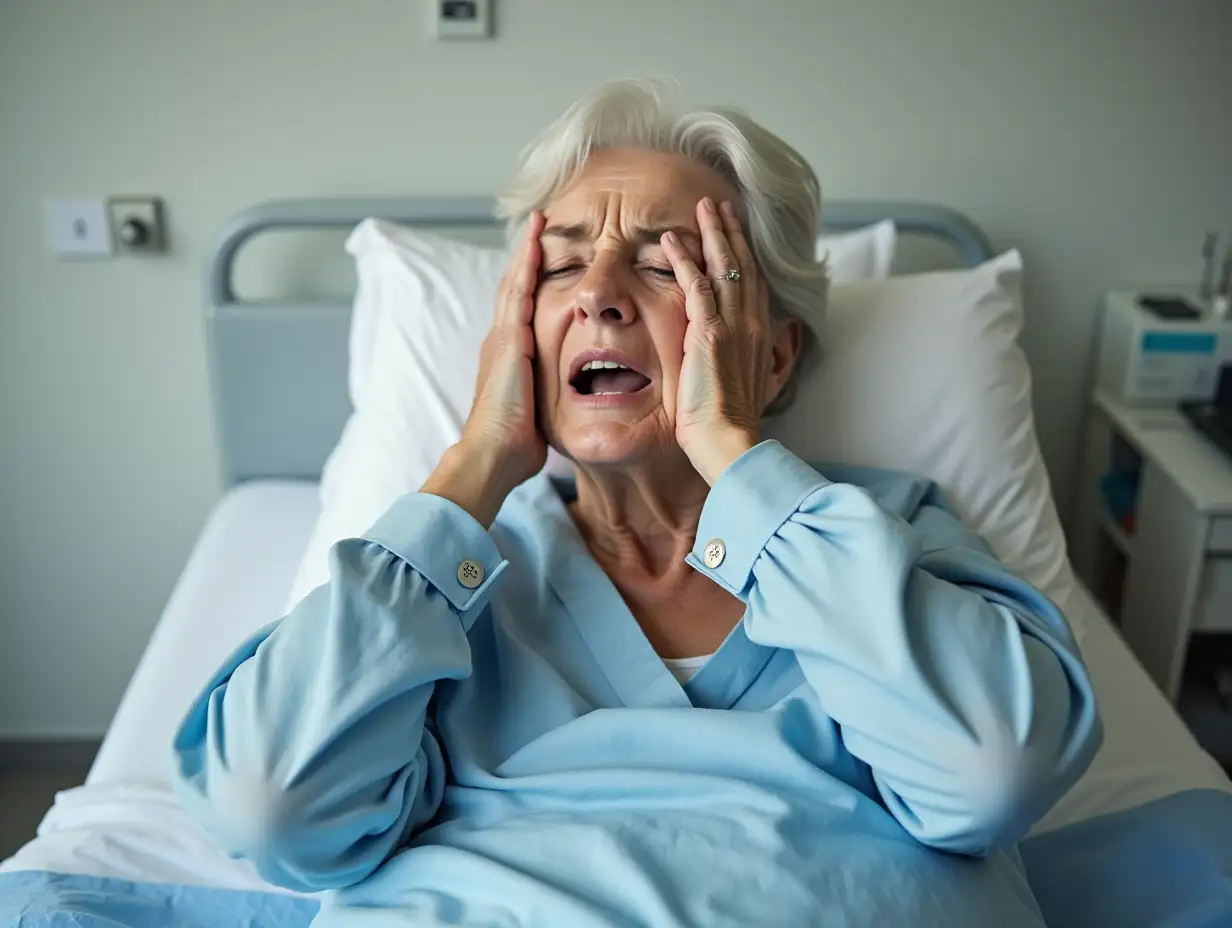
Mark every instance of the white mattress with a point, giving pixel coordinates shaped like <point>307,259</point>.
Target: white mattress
<point>236,580</point>
<point>125,823</point>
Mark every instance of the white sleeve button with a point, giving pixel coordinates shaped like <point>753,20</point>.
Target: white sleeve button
<point>470,573</point>
<point>714,553</point>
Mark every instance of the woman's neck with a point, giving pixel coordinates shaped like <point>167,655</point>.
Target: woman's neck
<point>643,517</point>
<point>639,524</point>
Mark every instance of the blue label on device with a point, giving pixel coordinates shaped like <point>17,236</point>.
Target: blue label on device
<point>1179,342</point>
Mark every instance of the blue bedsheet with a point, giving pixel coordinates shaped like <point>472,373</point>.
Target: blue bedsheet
<point>1167,864</point>
<point>38,899</point>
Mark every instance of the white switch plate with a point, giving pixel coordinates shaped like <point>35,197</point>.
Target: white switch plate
<point>79,228</point>
<point>461,19</point>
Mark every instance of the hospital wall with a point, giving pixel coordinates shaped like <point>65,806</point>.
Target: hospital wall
<point>1093,135</point>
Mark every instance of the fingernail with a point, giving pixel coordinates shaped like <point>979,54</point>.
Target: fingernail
<point>670,238</point>
<point>708,205</point>
<point>727,209</point>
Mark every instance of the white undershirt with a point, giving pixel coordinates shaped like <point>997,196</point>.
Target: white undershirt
<point>683,668</point>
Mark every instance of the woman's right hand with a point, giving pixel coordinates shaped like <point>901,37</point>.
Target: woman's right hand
<point>501,445</point>
<point>502,416</point>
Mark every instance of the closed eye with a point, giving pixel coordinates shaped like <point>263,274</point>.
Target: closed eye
<point>561,271</point>
<point>665,272</point>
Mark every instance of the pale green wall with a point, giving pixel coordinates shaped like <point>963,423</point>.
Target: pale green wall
<point>1087,133</point>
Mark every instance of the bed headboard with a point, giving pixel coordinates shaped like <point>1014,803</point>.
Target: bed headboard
<point>279,368</point>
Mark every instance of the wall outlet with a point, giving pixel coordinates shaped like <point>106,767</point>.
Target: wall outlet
<point>137,224</point>
<point>461,19</point>
<point>79,228</point>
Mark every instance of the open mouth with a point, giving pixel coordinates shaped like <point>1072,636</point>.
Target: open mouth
<point>598,377</point>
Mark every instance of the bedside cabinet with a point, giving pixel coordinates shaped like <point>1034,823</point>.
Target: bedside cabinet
<point>1152,536</point>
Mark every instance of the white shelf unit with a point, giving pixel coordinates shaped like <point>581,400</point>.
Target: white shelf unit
<point>1172,576</point>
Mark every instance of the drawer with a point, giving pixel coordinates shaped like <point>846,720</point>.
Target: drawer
<point>1214,609</point>
<point>1220,540</point>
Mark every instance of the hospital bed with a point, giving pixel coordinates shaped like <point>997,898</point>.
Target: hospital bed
<point>1136,842</point>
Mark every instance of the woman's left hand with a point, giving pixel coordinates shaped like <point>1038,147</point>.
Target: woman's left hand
<point>727,345</point>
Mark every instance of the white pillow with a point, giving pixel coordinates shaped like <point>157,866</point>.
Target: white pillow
<point>865,254</point>
<point>920,374</point>
<point>924,374</point>
<point>423,304</point>
<point>404,271</point>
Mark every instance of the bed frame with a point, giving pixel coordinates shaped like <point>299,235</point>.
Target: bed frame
<point>279,368</point>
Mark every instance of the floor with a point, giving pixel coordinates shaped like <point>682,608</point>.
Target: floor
<point>23,800</point>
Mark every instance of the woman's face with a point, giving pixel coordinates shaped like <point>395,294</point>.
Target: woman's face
<point>607,296</point>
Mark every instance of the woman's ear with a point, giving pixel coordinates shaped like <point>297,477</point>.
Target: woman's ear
<point>784,350</point>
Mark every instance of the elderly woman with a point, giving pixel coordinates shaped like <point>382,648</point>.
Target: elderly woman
<point>702,683</point>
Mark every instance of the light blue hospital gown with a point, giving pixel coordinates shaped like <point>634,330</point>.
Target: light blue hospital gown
<point>892,713</point>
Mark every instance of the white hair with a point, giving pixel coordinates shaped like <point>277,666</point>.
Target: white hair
<point>780,195</point>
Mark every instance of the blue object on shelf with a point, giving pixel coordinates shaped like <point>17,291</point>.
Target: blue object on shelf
<point>1120,492</point>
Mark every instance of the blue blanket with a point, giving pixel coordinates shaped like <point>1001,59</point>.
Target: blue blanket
<point>1167,864</point>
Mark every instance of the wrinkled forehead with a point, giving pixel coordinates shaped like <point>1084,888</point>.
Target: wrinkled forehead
<point>642,187</point>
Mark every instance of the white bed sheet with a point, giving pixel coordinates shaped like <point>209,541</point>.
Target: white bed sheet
<point>125,823</point>
<point>1147,751</point>
<point>236,580</point>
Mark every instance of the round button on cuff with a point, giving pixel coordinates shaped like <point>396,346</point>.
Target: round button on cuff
<point>714,552</point>
<point>470,573</point>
